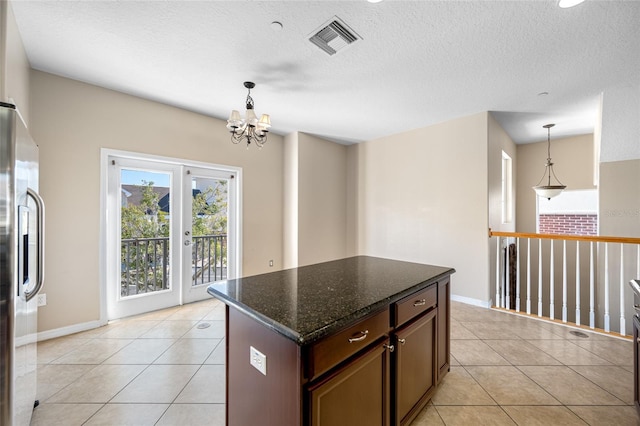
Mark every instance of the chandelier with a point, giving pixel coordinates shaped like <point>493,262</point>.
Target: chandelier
<point>249,129</point>
<point>549,191</point>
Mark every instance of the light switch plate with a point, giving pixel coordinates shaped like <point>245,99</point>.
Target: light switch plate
<point>258,360</point>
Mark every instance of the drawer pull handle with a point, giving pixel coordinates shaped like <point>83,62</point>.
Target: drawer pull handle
<point>360,338</point>
<point>390,347</point>
<point>402,341</point>
<point>420,302</point>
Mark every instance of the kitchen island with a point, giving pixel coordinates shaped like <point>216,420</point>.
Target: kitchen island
<point>356,341</point>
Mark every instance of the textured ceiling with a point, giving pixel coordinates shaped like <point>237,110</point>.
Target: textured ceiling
<point>418,63</point>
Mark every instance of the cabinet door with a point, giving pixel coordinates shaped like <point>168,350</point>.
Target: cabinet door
<point>444,331</point>
<point>355,395</point>
<point>416,373</point>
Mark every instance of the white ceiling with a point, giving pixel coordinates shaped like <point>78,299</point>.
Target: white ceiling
<point>418,63</point>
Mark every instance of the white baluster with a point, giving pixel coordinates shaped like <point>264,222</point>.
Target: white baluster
<point>623,325</point>
<point>552,284</point>
<point>498,301</point>
<point>592,291</point>
<point>607,328</point>
<point>540,277</point>
<point>529,275</point>
<point>577,282</point>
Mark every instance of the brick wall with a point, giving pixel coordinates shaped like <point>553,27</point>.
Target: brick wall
<point>569,224</point>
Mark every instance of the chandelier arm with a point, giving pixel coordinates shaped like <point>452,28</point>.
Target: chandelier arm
<point>258,137</point>
<point>236,138</point>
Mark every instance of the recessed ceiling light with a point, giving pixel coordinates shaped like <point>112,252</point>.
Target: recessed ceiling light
<point>569,3</point>
<point>276,26</point>
<point>543,93</point>
<point>374,1</point>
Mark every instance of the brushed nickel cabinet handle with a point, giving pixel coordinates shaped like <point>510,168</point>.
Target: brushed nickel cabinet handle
<point>420,302</point>
<point>390,347</point>
<point>360,338</point>
<point>402,341</point>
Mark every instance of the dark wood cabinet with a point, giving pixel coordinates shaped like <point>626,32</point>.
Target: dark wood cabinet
<point>415,366</point>
<point>444,328</point>
<point>380,367</point>
<point>354,395</point>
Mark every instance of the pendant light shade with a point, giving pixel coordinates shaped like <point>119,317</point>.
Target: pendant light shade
<point>547,188</point>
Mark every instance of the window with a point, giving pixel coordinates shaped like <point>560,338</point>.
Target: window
<point>507,188</point>
<point>570,213</point>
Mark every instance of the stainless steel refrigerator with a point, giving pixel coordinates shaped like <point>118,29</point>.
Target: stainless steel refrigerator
<point>21,267</point>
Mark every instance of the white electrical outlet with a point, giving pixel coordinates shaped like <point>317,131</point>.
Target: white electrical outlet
<point>271,263</point>
<point>42,299</point>
<point>258,360</point>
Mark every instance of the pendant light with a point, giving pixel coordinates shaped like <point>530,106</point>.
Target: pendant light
<point>249,129</point>
<point>549,190</point>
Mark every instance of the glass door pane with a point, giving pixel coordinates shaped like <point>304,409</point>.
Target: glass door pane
<point>209,218</point>
<point>145,222</point>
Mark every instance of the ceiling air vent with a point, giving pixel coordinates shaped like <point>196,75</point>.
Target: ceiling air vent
<point>333,36</point>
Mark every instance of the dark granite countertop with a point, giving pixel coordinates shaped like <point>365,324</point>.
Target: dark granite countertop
<point>310,302</point>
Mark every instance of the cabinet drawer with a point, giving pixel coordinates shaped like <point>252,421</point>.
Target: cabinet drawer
<point>338,347</point>
<point>415,304</point>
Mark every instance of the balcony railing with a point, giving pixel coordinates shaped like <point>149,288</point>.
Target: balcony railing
<point>209,258</point>
<point>145,263</point>
<point>566,277</point>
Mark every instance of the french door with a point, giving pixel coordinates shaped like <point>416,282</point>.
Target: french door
<point>210,195</point>
<point>171,230</point>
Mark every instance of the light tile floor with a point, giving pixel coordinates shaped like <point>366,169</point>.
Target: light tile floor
<point>167,368</point>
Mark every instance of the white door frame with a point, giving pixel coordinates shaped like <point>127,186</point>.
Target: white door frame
<point>107,242</point>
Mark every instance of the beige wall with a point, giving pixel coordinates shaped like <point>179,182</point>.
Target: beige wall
<point>290,208</point>
<point>573,165</point>
<point>14,65</point>
<point>423,197</point>
<point>620,198</point>
<point>353,197</point>
<point>315,200</point>
<point>72,122</point>
<point>322,200</point>
<point>499,141</point>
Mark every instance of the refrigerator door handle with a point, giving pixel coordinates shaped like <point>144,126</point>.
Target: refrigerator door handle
<point>40,242</point>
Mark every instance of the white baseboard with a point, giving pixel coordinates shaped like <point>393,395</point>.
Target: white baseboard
<point>71,329</point>
<point>471,301</point>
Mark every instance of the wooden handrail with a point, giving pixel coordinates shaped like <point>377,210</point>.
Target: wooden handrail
<point>597,239</point>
